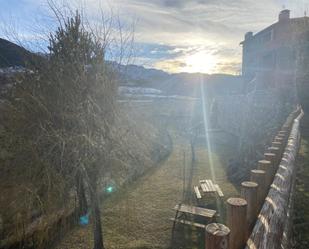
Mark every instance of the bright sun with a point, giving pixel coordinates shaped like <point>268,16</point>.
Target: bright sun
<point>200,62</point>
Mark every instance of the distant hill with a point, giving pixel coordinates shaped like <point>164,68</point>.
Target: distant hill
<point>186,84</point>
<point>13,55</point>
<point>139,76</point>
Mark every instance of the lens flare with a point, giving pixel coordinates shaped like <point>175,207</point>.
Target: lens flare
<point>110,189</point>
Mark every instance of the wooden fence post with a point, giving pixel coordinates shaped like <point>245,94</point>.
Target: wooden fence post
<point>271,228</point>
<point>288,124</point>
<point>259,176</point>
<point>249,193</point>
<point>236,221</point>
<point>283,134</point>
<point>278,145</point>
<point>279,139</point>
<point>276,151</point>
<point>267,167</point>
<point>271,157</point>
<point>285,128</point>
<point>284,138</point>
<point>217,236</point>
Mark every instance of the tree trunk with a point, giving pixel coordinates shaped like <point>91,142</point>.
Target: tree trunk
<point>96,216</point>
<point>81,195</point>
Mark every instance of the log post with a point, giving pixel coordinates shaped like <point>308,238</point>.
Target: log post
<point>258,176</point>
<point>286,128</point>
<point>271,157</point>
<point>236,221</point>
<point>249,193</point>
<point>267,167</point>
<point>278,145</point>
<point>284,138</point>
<point>217,236</point>
<point>279,139</point>
<point>271,228</point>
<point>276,151</point>
<point>283,134</point>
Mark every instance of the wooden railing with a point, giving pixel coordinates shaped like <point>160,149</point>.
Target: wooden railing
<point>260,219</point>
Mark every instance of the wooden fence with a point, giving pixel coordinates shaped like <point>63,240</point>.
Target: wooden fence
<point>261,218</point>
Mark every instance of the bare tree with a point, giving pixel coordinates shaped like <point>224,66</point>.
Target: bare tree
<point>87,89</point>
<point>63,113</point>
<point>65,110</point>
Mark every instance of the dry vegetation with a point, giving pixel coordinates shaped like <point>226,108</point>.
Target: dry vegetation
<point>137,216</point>
<point>63,138</point>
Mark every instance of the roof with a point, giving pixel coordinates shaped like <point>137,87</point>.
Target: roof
<point>291,20</point>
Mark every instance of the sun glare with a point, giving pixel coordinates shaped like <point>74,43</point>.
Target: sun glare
<point>200,62</point>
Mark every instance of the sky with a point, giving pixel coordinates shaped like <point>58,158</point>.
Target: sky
<point>172,35</point>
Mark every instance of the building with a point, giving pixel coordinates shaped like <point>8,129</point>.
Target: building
<point>269,56</point>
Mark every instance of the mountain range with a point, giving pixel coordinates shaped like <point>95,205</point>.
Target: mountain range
<point>179,83</point>
<point>187,84</point>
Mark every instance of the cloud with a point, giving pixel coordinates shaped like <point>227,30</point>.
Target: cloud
<point>229,67</point>
<point>172,66</point>
<point>167,31</point>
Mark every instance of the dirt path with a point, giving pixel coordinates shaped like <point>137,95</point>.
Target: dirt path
<point>138,216</point>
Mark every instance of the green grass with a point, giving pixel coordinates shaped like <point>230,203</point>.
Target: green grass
<point>137,216</point>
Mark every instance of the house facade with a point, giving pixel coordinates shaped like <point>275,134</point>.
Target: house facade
<point>270,56</point>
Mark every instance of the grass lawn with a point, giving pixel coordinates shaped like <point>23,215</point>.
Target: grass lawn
<point>137,216</point>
